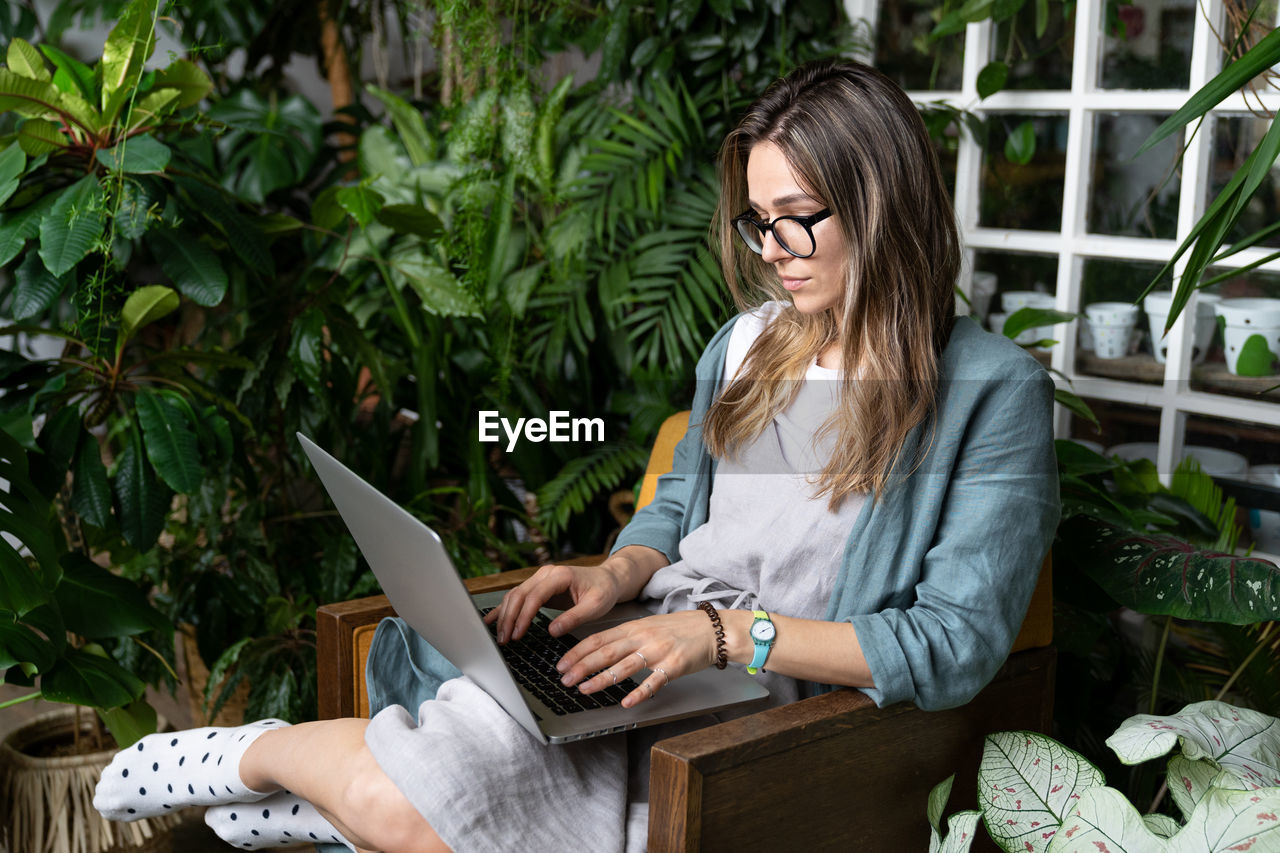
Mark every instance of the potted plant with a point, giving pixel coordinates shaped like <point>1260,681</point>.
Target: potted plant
<point>61,617</point>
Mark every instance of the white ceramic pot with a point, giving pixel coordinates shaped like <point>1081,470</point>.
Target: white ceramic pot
<point>1251,337</point>
<point>980,293</point>
<point>996,324</point>
<point>1157,307</point>
<point>1111,325</point>
<point>1265,523</point>
<point>1012,300</point>
<point>1213,461</point>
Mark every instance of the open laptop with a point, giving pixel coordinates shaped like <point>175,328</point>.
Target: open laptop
<point>420,581</point>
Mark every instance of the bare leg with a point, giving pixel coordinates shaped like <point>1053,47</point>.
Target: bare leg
<point>328,764</point>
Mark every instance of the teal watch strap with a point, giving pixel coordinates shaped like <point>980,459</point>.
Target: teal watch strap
<point>763,634</point>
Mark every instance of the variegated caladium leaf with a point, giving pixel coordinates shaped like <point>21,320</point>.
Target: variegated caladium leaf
<point>1244,743</point>
<point>960,826</point>
<point>1224,821</point>
<point>1159,574</point>
<point>1161,825</point>
<point>1027,783</point>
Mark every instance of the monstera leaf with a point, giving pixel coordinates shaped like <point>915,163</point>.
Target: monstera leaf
<point>1028,784</point>
<point>1215,737</point>
<point>1158,574</point>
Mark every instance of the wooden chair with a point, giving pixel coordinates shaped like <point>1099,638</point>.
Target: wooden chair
<point>829,772</point>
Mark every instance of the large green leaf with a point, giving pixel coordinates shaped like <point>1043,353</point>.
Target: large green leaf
<point>91,493</point>
<point>42,99</point>
<point>192,265</point>
<point>20,645</point>
<point>134,211</point>
<point>17,227</point>
<point>170,442</point>
<point>219,207</point>
<point>1027,785</point>
<point>131,723</point>
<point>82,678</point>
<point>142,501</point>
<point>40,136</point>
<point>26,60</point>
<point>151,108</point>
<point>440,291</point>
<point>129,45</point>
<point>1242,742</point>
<point>188,79</point>
<point>410,219</point>
<point>1225,820</point>
<point>70,74</point>
<point>12,164</point>
<point>20,588</point>
<point>73,225</point>
<point>1159,574</point>
<point>96,603</point>
<point>35,288</point>
<point>409,125</point>
<point>362,202</point>
<point>137,154</point>
<point>144,306</point>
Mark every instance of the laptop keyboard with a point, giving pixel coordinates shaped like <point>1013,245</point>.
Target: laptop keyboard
<point>532,660</point>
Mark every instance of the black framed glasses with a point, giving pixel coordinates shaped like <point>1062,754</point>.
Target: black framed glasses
<point>793,233</point>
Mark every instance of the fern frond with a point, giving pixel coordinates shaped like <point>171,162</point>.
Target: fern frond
<point>1197,488</point>
<point>585,477</point>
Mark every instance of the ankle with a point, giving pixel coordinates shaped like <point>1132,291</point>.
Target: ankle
<point>255,764</point>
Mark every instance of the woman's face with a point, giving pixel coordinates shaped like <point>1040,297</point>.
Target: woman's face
<point>816,283</point>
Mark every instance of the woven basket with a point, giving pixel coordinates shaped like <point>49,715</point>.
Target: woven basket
<point>46,804</point>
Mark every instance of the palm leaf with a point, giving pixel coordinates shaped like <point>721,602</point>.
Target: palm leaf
<point>585,477</point>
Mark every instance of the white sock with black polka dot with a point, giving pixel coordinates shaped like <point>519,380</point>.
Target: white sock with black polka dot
<point>167,771</point>
<point>281,820</point>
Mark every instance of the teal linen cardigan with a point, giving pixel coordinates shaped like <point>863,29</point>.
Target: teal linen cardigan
<point>939,570</point>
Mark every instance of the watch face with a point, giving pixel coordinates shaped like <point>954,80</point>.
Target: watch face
<point>763,631</point>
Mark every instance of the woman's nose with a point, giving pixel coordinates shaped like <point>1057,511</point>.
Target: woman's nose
<point>771,251</point>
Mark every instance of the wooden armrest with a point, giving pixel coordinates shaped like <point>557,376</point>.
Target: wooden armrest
<point>866,771</point>
<point>344,631</point>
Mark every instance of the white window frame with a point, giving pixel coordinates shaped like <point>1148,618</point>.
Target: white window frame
<point>1073,245</point>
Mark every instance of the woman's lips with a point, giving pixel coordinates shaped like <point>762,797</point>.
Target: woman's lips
<point>793,283</point>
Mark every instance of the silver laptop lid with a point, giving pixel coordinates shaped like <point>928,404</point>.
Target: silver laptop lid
<point>407,556</point>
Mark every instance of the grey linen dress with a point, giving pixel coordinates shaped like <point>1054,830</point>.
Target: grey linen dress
<point>483,783</point>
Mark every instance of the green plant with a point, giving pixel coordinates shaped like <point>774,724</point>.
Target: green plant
<point>60,613</point>
<point>1039,796</point>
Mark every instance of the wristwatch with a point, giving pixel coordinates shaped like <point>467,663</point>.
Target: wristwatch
<point>763,633</point>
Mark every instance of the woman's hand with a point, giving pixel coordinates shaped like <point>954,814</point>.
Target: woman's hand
<point>669,644</point>
<point>594,590</point>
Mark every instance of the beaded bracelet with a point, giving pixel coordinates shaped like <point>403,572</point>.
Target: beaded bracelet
<point>722,656</point>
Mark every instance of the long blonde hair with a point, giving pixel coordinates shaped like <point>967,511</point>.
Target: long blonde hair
<point>857,144</point>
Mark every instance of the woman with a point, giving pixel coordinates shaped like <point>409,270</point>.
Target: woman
<point>873,473</point>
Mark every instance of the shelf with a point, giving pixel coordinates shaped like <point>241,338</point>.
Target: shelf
<point>1212,377</point>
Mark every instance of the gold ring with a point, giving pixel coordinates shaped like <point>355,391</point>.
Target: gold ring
<point>643,658</point>
<point>666,679</point>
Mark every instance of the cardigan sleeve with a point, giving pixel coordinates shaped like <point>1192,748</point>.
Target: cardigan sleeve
<point>999,508</point>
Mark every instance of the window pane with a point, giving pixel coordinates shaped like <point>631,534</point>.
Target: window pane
<point>1148,45</point>
<point>903,51</point>
<point>1133,198</point>
<point>1036,63</point>
<point>1121,424</point>
<point>1214,375</point>
<point>1024,196</point>
<point>1264,21</point>
<point>1114,339</point>
<point>1234,138</point>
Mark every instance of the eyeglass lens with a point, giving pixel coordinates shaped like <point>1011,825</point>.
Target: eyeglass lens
<point>791,236</point>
